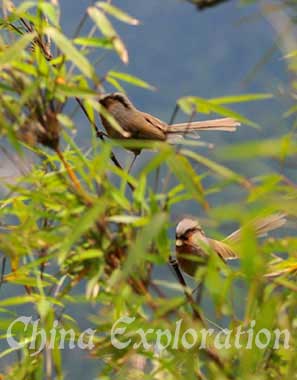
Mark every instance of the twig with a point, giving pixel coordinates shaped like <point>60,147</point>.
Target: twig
<point>174,265</point>
<point>94,125</point>
<point>172,118</point>
<point>69,170</point>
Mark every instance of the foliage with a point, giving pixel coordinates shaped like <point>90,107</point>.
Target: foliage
<point>78,217</point>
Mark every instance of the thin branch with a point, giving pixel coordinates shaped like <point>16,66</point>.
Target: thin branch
<point>174,265</point>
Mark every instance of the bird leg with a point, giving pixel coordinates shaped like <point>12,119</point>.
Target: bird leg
<point>199,292</point>
<point>3,261</point>
<point>132,162</point>
<point>174,265</point>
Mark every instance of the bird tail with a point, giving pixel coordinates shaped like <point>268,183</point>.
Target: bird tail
<point>261,226</point>
<point>226,124</point>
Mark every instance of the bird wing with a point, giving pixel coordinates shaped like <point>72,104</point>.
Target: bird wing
<point>222,249</point>
<point>146,126</point>
<point>261,226</point>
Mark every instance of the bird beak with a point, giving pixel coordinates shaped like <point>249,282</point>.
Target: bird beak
<point>178,242</point>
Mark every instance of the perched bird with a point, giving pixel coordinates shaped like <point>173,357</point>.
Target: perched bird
<point>191,242</point>
<point>140,125</point>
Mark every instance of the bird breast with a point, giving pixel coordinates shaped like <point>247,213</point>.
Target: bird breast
<point>190,249</point>
<point>121,115</point>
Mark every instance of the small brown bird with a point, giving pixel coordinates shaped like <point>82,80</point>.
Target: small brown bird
<point>191,241</point>
<point>140,125</point>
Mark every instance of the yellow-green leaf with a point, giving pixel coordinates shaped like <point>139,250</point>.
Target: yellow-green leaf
<point>240,98</point>
<point>192,104</point>
<point>117,13</point>
<point>217,168</point>
<point>107,30</point>
<point>131,79</point>
<point>71,53</point>
<point>15,50</point>
<point>104,43</point>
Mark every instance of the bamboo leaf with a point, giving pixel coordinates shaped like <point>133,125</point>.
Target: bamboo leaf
<point>187,176</point>
<point>94,42</point>
<point>75,91</point>
<point>144,239</point>
<point>14,51</point>
<point>51,11</point>
<point>217,168</point>
<point>19,300</point>
<point>87,220</point>
<point>131,79</point>
<point>241,98</point>
<point>117,13</point>
<point>257,149</point>
<point>193,104</point>
<point>87,255</point>
<point>107,30</point>
<point>71,53</point>
<point>125,219</point>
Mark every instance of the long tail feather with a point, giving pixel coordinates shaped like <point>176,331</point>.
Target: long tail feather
<point>261,226</point>
<point>226,124</point>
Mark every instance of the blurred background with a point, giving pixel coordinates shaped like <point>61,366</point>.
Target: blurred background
<point>231,49</point>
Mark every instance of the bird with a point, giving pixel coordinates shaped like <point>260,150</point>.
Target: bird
<point>193,246</point>
<point>136,124</point>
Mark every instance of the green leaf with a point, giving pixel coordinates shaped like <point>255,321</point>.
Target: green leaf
<point>107,30</point>
<point>71,53</point>
<point>192,104</point>
<point>19,300</point>
<point>26,68</point>
<point>50,11</point>
<point>292,54</point>
<point>217,168</point>
<point>257,149</point>
<point>143,241</point>
<point>164,151</point>
<point>183,170</point>
<point>87,220</point>
<point>116,84</point>
<point>131,79</point>
<point>241,98</point>
<point>120,198</point>
<point>65,120</point>
<point>291,111</point>
<point>75,91</point>
<point>124,175</point>
<point>8,351</point>
<point>117,13</point>
<point>24,279</point>
<point>126,219</point>
<point>87,254</point>
<point>14,51</point>
<point>94,42</point>
<point>24,7</point>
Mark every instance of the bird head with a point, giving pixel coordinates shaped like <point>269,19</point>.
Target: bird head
<point>185,230</point>
<point>115,98</point>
